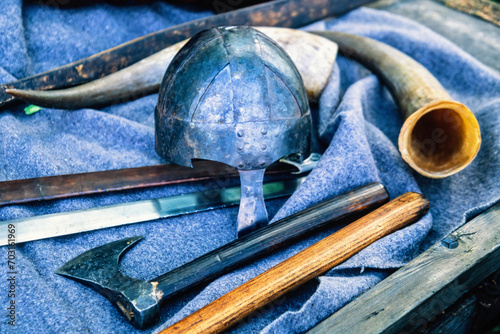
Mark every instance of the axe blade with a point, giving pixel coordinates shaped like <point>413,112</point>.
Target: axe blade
<point>99,269</point>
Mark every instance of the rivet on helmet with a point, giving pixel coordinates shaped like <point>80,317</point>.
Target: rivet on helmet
<point>233,95</point>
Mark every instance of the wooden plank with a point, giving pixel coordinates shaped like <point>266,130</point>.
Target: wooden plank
<point>485,9</point>
<point>458,319</point>
<point>411,297</point>
<point>488,305</point>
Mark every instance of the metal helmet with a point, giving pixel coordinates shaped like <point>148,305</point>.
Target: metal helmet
<point>232,95</point>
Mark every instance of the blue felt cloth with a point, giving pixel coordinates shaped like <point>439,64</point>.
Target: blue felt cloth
<point>358,123</point>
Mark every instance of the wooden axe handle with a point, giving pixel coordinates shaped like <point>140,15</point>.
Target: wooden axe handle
<point>311,262</point>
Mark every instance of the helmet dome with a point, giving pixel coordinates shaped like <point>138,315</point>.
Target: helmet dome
<point>232,95</point>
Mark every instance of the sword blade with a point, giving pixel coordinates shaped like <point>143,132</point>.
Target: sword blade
<point>65,223</point>
<point>71,185</point>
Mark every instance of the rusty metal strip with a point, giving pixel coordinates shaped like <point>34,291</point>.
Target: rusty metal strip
<point>72,185</point>
<point>280,13</point>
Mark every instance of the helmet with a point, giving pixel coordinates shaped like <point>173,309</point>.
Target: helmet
<point>232,95</point>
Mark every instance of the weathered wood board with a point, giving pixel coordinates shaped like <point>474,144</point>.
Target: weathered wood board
<point>485,9</point>
<point>411,297</point>
<point>458,319</point>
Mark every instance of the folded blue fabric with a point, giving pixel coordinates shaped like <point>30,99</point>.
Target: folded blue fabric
<point>358,123</point>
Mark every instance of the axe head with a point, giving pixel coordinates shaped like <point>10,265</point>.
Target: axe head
<point>99,269</point>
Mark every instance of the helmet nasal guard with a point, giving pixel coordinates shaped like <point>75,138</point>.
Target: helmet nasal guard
<point>232,95</point>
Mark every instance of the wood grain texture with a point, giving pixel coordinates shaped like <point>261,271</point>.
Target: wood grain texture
<point>311,262</point>
<point>488,303</point>
<point>334,211</point>
<point>488,10</point>
<point>72,185</point>
<point>458,319</point>
<point>415,294</point>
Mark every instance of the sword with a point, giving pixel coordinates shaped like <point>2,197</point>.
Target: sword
<point>71,185</point>
<point>64,186</point>
<point>65,223</point>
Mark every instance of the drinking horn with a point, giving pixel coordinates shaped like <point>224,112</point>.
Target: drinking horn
<point>312,55</point>
<point>440,136</point>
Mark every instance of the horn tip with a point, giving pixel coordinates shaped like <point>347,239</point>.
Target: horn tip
<point>15,92</point>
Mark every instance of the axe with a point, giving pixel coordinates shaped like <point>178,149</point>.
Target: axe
<point>139,301</point>
<point>315,260</point>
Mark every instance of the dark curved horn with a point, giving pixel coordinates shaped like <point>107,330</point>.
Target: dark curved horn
<point>313,56</point>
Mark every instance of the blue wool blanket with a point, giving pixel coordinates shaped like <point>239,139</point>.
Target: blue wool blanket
<point>358,124</point>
